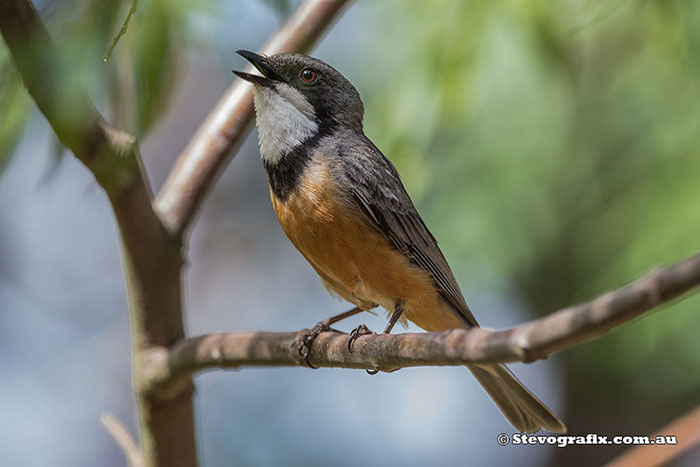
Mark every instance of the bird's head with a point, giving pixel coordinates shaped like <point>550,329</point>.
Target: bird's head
<point>299,97</point>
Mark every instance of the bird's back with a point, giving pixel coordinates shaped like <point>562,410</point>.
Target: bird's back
<point>376,188</point>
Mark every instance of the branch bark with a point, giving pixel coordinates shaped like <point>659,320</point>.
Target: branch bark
<point>110,154</point>
<point>131,450</point>
<point>151,248</point>
<point>687,430</point>
<point>152,236</point>
<point>224,130</point>
<point>151,256</point>
<point>531,341</point>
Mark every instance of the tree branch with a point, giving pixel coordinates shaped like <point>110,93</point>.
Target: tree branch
<point>151,252</point>
<point>687,430</point>
<point>531,341</point>
<point>151,256</point>
<point>110,154</point>
<point>209,151</point>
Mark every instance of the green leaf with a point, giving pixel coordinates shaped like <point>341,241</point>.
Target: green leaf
<point>15,107</point>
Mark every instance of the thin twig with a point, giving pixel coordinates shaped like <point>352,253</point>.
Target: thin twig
<point>224,130</point>
<point>122,30</point>
<point>131,450</point>
<point>531,341</point>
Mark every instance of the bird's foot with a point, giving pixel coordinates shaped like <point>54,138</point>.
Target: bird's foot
<point>361,330</point>
<point>308,338</point>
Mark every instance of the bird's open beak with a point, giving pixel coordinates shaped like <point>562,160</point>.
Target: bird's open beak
<point>263,65</point>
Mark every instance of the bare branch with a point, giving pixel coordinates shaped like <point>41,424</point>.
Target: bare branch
<point>534,340</point>
<point>131,450</point>
<point>686,429</point>
<point>223,131</point>
<point>152,259</point>
<point>150,251</point>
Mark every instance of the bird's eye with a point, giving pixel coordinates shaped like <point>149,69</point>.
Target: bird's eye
<point>308,75</point>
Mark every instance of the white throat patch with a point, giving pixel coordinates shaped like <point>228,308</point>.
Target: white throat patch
<point>284,119</point>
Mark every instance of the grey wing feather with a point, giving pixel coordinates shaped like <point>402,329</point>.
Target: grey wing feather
<point>376,187</point>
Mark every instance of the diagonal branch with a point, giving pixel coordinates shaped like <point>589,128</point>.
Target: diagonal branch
<point>152,258</point>
<point>531,341</point>
<point>132,451</point>
<point>110,154</point>
<point>685,428</point>
<point>209,151</point>
<point>151,249</point>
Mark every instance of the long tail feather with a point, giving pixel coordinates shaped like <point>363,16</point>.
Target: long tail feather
<point>522,409</point>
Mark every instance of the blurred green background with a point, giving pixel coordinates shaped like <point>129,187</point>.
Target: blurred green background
<point>553,148</point>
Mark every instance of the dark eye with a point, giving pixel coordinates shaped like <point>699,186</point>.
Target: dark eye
<point>308,75</point>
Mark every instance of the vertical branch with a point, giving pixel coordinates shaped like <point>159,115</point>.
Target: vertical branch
<point>151,256</point>
<point>151,252</point>
<point>152,264</point>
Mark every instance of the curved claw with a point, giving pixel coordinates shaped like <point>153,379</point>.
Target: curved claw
<point>307,340</point>
<point>361,330</point>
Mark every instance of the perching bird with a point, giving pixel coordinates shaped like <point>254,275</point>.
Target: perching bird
<point>343,206</point>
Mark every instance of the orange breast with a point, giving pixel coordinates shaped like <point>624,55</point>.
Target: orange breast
<point>355,260</point>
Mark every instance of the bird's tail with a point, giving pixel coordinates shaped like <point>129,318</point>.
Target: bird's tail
<point>522,409</point>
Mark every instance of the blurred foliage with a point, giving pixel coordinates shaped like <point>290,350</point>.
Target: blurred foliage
<point>14,108</point>
<point>156,37</point>
<point>555,147</point>
<point>133,87</point>
<point>282,7</point>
